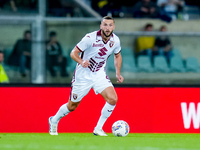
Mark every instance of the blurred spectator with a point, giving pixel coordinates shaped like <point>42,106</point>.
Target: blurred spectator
<point>163,45</point>
<point>63,8</point>
<point>144,44</point>
<point>149,9</point>
<point>108,7</point>
<point>54,55</point>
<point>146,9</point>
<point>26,5</point>
<point>2,3</point>
<point>19,5</point>
<point>11,3</point>
<point>101,6</point>
<point>21,54</point>
<point>171,7</point>
<point>3,75</point>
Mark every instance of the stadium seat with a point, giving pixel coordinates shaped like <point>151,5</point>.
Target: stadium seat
<point>192,64</point>
<point>127,51</point>
<point>176,64</point>
<point>7,53</point>
<point>160,64</point>
<point>144,64</point>
<point>72,65</point>
<point>176,53</point>
<point>110,64</point>
<point>128,64</point>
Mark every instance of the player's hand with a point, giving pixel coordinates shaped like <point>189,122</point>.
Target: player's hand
<point>85,63</point>
<point>120,79</point>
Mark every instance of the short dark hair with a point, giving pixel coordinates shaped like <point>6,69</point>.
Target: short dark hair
<point>108,18</point>
<point>52,34</point>
<point>1,51</point>
<point>148,25</point>
<point>162,27</point>
<point>27,32</point>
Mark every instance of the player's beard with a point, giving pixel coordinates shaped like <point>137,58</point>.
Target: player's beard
<point>106,34</point>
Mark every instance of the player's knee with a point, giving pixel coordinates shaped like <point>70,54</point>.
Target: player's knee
<point>72,107</point>
<point>112,100</point>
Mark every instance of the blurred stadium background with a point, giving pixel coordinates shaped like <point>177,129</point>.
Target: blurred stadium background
<point>72,19</point>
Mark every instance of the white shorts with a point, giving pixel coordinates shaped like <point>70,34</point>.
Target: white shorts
<point>82,85</point>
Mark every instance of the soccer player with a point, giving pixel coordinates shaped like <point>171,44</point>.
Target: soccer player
<point>95,48</point>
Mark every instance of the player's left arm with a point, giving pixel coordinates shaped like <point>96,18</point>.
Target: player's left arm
<point>118,64</point>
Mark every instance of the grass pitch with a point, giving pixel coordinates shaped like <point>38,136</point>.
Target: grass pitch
<point>87,141</point>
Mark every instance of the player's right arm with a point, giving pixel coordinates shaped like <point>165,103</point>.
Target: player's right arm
<point>118,63</point>
<point>75,56</point>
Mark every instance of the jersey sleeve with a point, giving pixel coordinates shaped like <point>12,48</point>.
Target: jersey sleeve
<point>117,49</point>
<point>84,43</point>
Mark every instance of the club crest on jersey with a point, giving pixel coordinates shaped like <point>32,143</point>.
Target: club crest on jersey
<point>75,96</point>
<point>111,44</point>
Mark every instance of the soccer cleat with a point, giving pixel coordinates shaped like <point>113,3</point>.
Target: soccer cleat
<point>99,132</point>
<point>52,127</point>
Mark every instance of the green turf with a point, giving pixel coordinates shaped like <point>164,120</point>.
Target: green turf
<point>86,141</point>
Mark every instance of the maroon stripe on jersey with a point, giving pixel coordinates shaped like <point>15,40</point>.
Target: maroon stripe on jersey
<point>82,55</point>
<point>90,68</point>
<point>70,97</point>
<point>118,52</point>
<point>73,78</point>
<point>79,48</point>
<point>93,60</point>
<point>108,57</point>
<point>99,33</point>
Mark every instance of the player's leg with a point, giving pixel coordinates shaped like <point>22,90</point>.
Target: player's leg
<point>77,93</point>
<point>63,111</point>
<point>110,96</point>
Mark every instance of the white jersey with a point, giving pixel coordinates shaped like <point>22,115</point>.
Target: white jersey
<point>94,76</point>
<point>96,51</point>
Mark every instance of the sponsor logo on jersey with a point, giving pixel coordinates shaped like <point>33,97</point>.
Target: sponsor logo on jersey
<point>102,51</point>
<point>75,96</point>
<point>97,45</point>
<point>99,57</point>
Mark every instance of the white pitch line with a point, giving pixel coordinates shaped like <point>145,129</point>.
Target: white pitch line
<point>80,147</point>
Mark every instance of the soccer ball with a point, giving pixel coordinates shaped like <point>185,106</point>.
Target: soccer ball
<point>120,128</point>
